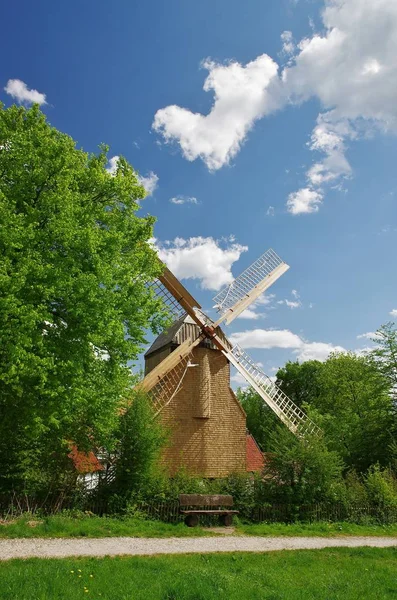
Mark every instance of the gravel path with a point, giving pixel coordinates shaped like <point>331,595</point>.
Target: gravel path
<point>59,548</point>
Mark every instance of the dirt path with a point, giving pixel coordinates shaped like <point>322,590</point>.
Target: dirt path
<point>59,548</point>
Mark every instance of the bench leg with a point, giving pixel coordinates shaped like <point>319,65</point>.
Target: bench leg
<point>192,520</point>
<point>227,520</point>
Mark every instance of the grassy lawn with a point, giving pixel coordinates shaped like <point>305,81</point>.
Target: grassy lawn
<point>317,529</point>
<point>62,526</point>
<point>348,574</point>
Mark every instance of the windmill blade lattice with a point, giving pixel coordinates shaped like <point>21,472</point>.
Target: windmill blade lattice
<point>237,296</point>
<point>167,387</point>
<point>174,308</point>
<point>291,415</point>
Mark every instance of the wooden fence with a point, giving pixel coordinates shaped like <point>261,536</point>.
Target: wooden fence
<point>169,511</point>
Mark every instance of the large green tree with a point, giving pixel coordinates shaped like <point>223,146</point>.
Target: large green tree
<point>357,410</point>
<point>74,304</point>
<point>300,381</point>
<point>348,396</point>
<point>385,354</point>
<point>261,420</point>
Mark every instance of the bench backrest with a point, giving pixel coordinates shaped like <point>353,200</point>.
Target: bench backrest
<point>205,500</point>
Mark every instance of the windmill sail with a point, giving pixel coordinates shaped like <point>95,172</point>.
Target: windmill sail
<point>233,299</point>
<point>169,363</point>
<point>175,310</point>
<point>165,380</point>
<point>291,415</point>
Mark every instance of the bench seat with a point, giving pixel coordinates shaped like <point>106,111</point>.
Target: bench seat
<point>210,511</point>
<point>206,504</point>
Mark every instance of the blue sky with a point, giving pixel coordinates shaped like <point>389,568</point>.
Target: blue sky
<point>292,144</point>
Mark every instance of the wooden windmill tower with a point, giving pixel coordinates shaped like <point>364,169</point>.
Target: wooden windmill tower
<point>187,375</point>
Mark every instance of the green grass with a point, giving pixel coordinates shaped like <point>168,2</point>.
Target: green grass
<point>320,529</point>
<point>63,526</point>
<point>58,526</point>
<point>342,573</point>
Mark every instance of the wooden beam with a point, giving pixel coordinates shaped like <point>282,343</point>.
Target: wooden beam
<point>168,364</point>
<point>175,287</point>
<point>231,313</point>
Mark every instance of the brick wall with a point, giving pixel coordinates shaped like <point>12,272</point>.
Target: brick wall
<point>206,422</point>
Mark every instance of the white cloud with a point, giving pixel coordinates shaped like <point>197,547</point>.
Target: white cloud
<point>266,338</point>
<point>239,379</point>
<point>292,303</point>
<point>184,200</point>
<point>353,77</point>
<point>351,73</point>
<point>288,42</point>
<point>328,137</point>
<point>367,336</point>
<point>264,300</point>
<point>283,338</point>
<point>270,211</point>
<point>349,68</point>
<point>150,182</point>
<point>248,313</point>
<point>304,200</point>
<point>363,351</point>
<point>393,312</point>
<point>112,164</point>
<point>241,96</point>
<point>19,90</point>
<point>201,258</point>
<point>316,351</point>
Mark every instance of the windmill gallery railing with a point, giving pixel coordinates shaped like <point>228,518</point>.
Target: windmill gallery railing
<point>291,415</point>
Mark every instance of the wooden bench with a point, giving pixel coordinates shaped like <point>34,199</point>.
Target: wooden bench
<point>209,505</point>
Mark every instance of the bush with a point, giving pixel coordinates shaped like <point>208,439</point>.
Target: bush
<point>301,472</point>
<point>381,487</point>
<point>141,438</point>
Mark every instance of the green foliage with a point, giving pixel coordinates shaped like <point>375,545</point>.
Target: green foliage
<point>301,472</point>
<point>74,304</point>
<point>300,381</point>
<point>141,438</point>
<point>353,490</point>
<point>381,487</point>
<point>261,420</point>
<point>385,354</point>
<point>349,399</point>
<point>358,410</point>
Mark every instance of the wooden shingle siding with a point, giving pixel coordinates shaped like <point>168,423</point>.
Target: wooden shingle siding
<point>214,446</point>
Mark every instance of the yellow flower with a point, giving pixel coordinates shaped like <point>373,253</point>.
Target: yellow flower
<point>91,576</point>
<point>72,571</point>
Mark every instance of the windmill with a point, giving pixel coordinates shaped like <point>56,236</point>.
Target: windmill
<point>188,374</point>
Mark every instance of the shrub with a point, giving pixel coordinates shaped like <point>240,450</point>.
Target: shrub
<point>381,487</point>
<point>141,438</point>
